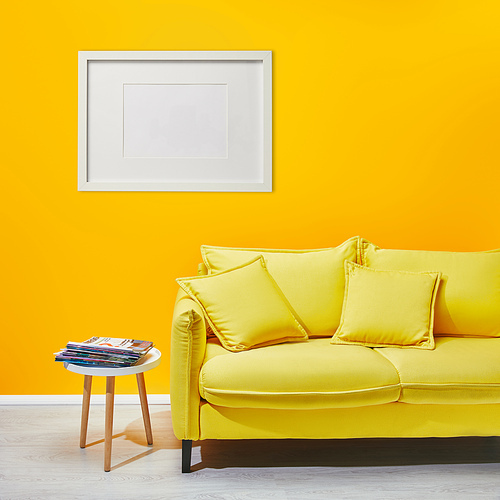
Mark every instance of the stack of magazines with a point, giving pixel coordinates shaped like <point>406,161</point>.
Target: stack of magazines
<point>105,351</point>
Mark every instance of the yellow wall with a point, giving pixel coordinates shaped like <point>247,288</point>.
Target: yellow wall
<point>386,124</point>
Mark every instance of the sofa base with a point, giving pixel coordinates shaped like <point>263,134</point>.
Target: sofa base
<point>398,420</point>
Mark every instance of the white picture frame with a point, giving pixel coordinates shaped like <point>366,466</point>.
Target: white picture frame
<point>175,121</point>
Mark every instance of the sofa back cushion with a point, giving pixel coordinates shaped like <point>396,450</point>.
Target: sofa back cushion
<point>312,280</point>
<point>468,298</point>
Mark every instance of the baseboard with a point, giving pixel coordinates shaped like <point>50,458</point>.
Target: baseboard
<point>76,399</point>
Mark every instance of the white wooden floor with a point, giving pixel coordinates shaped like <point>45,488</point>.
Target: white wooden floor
<point>40,459</point>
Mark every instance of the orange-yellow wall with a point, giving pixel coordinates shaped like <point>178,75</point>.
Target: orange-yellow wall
<point>386,124</point>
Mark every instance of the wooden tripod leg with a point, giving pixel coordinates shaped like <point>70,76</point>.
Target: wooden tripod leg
<point>108,433</point>
<point>87,387</point>
<point>144,407</point>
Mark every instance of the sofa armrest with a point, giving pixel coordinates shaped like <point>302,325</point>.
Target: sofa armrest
<point>188,343</point>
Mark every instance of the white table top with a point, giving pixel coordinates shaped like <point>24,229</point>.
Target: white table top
<point>148,362</point>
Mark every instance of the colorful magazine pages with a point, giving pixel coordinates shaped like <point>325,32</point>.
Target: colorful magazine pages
<point>105,351</point>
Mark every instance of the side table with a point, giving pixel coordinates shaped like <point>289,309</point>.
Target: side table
<point>150,361</point>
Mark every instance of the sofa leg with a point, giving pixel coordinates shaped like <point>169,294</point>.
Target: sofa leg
<point>187,446</point>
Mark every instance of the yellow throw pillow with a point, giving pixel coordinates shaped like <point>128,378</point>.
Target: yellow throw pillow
<point>245,307</point>
<point>468,300</point>
<point>387,308</point>
<point>312,280</point>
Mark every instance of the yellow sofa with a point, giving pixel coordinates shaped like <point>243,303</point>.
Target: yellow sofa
<point>316,389</point>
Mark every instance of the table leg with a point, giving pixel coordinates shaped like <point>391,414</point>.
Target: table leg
<point>108,433</point>
<point>87,387</point>
<point>144,406</point>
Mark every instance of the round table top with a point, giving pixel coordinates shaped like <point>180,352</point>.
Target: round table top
<point>148,362</point>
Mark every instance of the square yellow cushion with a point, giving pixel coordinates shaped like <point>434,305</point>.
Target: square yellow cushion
<point>312,280</point>
<point>387,308</point>
<point>245,307</point>
<point>468,299</point>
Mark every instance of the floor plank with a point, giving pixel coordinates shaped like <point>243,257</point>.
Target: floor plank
<point>40,458</point>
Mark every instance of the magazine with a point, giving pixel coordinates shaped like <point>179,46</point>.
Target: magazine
<point>114,344</point>
<point>105,351</point>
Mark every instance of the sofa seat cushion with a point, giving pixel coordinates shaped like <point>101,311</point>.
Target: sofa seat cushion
<point>311,374</point>
<point>457,371</point>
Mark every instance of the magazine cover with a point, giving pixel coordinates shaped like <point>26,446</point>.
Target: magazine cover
<point>136,346</point>
<point>105,351</point>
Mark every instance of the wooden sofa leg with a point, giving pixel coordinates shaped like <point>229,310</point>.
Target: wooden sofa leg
<point>187,446</point>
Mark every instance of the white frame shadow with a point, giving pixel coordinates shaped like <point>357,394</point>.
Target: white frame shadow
<point>117,183</point>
